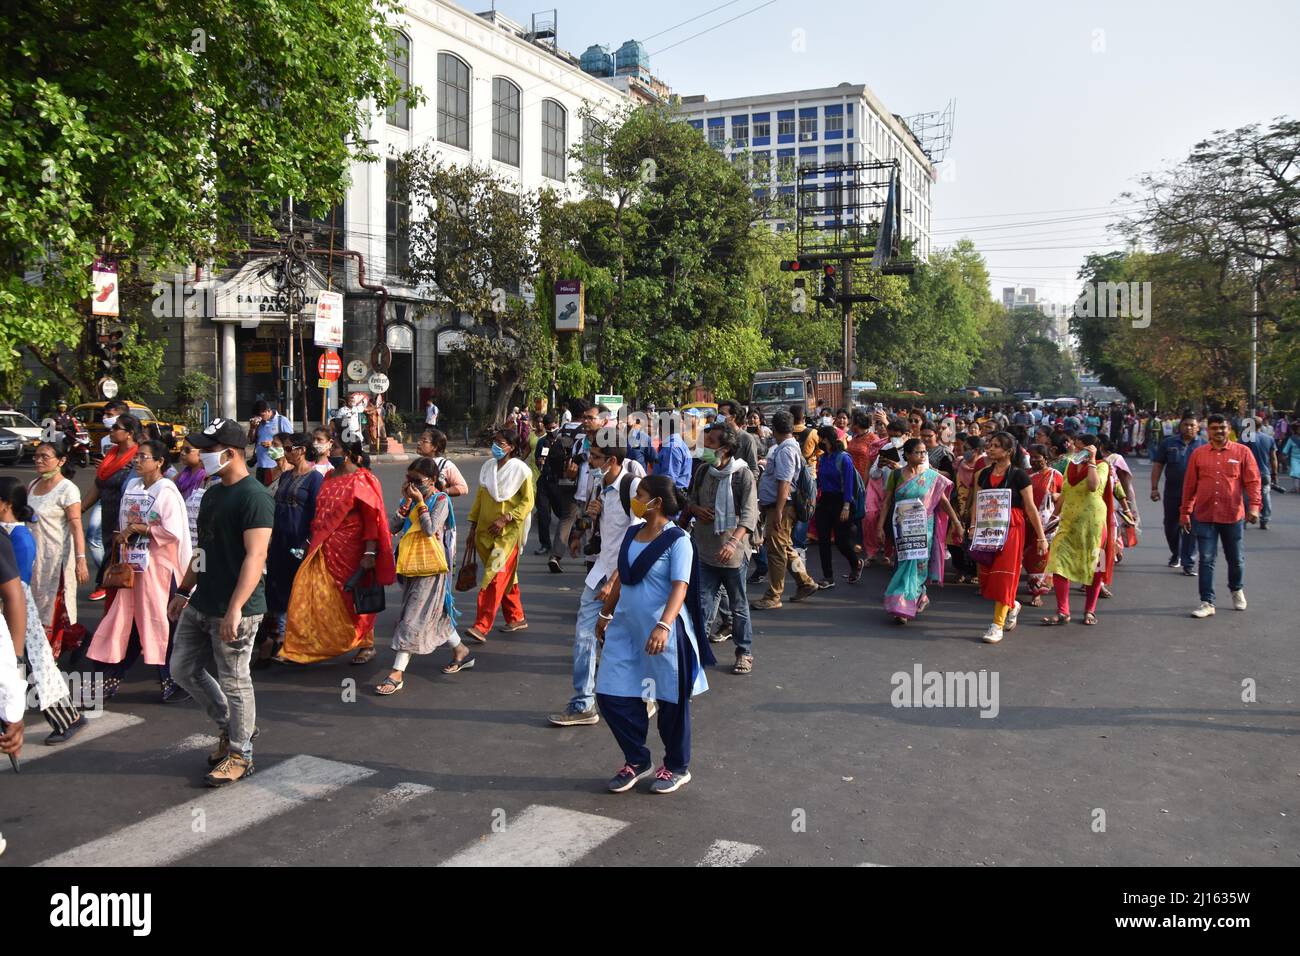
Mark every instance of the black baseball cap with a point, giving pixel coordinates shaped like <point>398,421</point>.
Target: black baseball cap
<point>220,431</point>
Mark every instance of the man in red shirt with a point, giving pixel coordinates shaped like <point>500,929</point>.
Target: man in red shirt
<point>1219,477</point>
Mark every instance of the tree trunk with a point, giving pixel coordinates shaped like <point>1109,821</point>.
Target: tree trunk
<point>505,389</point>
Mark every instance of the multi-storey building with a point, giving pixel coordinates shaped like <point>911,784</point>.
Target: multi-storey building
<point>768,137</point>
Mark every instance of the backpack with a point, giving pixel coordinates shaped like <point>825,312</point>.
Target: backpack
<point>625,492</point>
<point>804,491</point>
<point>858,508</point>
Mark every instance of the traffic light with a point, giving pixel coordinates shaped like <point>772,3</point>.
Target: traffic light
<point>899,267</point>
<point>827,294</point>
<point>802,264</point>
<point>110,348</point>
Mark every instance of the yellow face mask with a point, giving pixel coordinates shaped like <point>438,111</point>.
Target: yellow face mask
<point>639,507</point>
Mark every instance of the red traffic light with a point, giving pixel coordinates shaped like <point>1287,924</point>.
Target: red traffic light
<point>828,271</point>
<point>790,265</point>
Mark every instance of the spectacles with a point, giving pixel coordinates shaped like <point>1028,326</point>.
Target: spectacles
<point>44,457</point>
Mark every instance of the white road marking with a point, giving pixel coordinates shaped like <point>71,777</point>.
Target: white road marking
<point>192,742</point>
<point>34,749</point>
<point>170,835</point>
<point>729,853</point>
<point>540,836</point>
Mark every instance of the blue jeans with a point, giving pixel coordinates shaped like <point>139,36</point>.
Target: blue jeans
<point>1266,497</point>
<point>584,652</point>
<point>713,581</point>
<point>799,535</point>
<point>94,534</point>
<point>1208,535</point>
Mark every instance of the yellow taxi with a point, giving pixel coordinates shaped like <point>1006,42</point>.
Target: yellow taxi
<point>91,413</point>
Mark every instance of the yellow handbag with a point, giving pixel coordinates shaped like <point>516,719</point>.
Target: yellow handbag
<point>420,556</point>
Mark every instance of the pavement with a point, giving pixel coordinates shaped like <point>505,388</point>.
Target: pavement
<point>1149,739</point>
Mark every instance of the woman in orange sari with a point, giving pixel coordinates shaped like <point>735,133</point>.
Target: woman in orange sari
<point>350,531</point>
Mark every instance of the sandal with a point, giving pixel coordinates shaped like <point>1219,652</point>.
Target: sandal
<point>389,687</point>
<point>1036,601</point>
<point>456,666</point>
<point>744,664</point>
<point>474,634</point>
<point>1056,620</point>
<point>1089,618</point>
<point>364,656</point>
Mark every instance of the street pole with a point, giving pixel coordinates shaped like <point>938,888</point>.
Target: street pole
<point>1254,340</point>
<point>846,288</point>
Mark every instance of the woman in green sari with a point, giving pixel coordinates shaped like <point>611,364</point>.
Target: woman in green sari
<point>918,497</point>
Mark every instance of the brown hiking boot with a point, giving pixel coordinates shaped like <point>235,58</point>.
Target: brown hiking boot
<point>805,591</point>
<point>766,604</point>
<point>223,748</point>
<point>235,767</point>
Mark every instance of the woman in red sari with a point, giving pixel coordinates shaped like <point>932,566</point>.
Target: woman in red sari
<point>1000,578</point>
<point>350,531</point>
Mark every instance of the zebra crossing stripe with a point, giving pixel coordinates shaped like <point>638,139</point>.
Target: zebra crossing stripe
<point>111,722</point>
<point>540,836</point>
<point>217,815</point>
<point>729,853</point>
<point>385,803</point>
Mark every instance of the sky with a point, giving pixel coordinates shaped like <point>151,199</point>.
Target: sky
<point>1061,106</point>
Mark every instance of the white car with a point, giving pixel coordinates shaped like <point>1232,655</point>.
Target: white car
<point>20,424</point>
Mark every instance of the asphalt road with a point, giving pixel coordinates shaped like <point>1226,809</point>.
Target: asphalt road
<point>1128,743</point>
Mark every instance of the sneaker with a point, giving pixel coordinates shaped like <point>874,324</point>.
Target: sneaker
<point>234,768</point>
<point>99,594</point>
<point>1174,561</point>
<point>823,586</point>
<point>805,592</point>
<point>766,604</point>
<point>1189,572</point>
<point>74,728</point>
<point>1013,618</point>
<point>666,781</point>
<point>758,577</point>
<point>575,718</point>
<point>721,636</point>
<point>627,778</point>
<point>1239,600</point>
<point>542,550</point>
<point>511,628</point>
<point>992,635</point>
<point>1204,609</point>
<point>1263,525</point>
<point>553,566</point>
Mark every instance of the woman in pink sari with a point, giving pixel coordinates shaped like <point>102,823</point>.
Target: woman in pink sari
<point>349,532</point>
<point>154,537</point>
<point>918,523</point>
<point>883,437</point>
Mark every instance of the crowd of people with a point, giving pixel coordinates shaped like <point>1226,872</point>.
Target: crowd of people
<point>220,564</point>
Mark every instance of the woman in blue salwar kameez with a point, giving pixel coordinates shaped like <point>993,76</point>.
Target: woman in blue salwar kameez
<point>649,627</point>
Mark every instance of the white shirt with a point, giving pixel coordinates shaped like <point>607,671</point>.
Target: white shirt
<point>431,415</point>
<point>614,522</point>
<point>13,686</point>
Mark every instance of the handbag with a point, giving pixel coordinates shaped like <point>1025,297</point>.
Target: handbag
<point>467,578</point>
<point>420,556</point>
<point>366,598</point>
<point>120,574</point>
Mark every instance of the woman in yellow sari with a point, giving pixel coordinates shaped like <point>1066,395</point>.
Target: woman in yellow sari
<point>349,532</point>
<point>1083,546</point>
<point>498,528</point>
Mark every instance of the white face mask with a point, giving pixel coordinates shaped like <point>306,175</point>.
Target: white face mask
<point>322,448</point>
<point>212,463</point>
<point>110,421</point>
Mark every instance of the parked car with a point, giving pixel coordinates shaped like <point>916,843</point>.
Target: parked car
<point>91,413</point>
<point>20,424</point>
<point>13,447</point>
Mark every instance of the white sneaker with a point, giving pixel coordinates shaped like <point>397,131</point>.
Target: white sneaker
<point>1239,600</point>
<point>1013,618</point>
<point>992,635</point>
<point>1205,609</point>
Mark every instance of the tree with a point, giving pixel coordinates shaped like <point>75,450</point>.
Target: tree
<point>149,135</point>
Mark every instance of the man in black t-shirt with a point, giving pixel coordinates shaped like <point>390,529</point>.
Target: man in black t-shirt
<point>221,601</point>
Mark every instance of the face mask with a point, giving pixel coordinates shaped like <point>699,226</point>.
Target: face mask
<point>827,420</point>
<point>708,456</point>
<point>275,453</point>
<point>322,448</point>
<point>212,463</point>
<point>498,452</point>
<point>639,507</point>
<point>110,421</point>
<point>336,461</point>
<point>752,429</point>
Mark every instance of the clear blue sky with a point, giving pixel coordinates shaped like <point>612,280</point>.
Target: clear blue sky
<point>1051,115</point>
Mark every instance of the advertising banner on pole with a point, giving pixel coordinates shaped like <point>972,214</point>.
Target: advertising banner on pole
<point>329,320</point>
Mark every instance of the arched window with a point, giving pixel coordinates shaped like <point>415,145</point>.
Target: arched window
<point>399,61</point>
<point>453,100</point>
<point>554,140</point>
<point>505,121</point>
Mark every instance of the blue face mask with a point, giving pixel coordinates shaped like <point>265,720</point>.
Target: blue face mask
<point>498,452</point>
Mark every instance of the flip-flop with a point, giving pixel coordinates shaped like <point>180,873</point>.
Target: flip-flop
<point>1056,620</point>
<point>455,667</point>
<point>388,682</point>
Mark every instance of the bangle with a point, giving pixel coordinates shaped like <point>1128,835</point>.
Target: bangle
<point>81,557</point>
<point>666,627</point>
<point>369,554</point>
<point>604,617</point>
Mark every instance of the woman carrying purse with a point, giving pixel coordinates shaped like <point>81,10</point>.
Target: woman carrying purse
<point>428,617</point>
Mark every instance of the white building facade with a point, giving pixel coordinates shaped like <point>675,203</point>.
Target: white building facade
<point>769,136</point>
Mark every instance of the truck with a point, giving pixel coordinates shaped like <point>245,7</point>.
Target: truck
<point>778,389</point>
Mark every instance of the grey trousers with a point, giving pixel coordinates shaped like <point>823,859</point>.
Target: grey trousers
<point>227,698</point>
